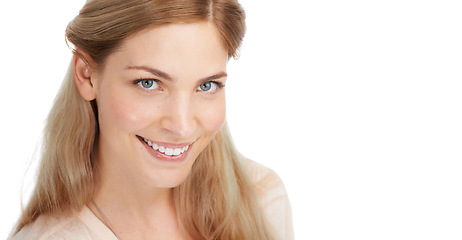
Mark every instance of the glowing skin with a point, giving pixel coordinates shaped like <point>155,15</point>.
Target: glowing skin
<point>175,112</point>
<point>163,85</point>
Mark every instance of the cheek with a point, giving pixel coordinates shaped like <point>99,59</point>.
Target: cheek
<point>123,113</point>
<point>214,117</point>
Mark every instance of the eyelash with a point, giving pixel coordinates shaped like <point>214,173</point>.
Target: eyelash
<point>138,81</point>
<point>219,85</point>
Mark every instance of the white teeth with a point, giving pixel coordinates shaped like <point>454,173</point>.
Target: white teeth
<point>155,146</point>
<point>165,150</point>
<point>177,151</point>
<point>162,149</point>
<point>169,151</point>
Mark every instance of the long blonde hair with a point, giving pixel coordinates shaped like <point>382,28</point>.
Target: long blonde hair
<point>217,200</point>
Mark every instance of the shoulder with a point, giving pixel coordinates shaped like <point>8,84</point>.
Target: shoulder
<point>264,178</point>
<point>51,228</point>
<point>269,186</point>
<point>273,198</point>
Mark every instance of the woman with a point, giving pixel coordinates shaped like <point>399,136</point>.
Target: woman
<point>136,145</point>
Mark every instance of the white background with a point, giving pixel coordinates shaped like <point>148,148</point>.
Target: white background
<point>357,105</point>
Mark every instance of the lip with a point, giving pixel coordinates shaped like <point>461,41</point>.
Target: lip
<point>163,157</point>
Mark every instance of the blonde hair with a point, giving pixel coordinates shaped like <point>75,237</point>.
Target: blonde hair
<point>217,200</point>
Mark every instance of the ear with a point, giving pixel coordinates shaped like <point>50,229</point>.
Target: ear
<point>83,76</point>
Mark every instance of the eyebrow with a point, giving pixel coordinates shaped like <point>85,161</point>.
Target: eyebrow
<point>166,76</point>
<point>153,71</point>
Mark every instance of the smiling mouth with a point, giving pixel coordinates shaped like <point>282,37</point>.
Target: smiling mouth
<point>169,151</point>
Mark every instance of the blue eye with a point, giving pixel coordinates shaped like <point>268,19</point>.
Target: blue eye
<point>205,86</point>
<point>149,84</point>
<point>209,86</point>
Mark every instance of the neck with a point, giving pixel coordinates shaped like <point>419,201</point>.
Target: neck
<point>129,201</point>
<point>140,202</point>
<point>121,196</point>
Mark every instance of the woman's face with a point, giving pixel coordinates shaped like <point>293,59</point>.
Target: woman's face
<point>160,102</point>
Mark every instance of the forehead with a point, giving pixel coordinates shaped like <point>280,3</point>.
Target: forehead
<point>174,48</point>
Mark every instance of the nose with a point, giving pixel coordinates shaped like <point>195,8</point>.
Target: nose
<point>178,117</point>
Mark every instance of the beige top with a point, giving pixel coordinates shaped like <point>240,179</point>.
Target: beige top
<point>85,225</point>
